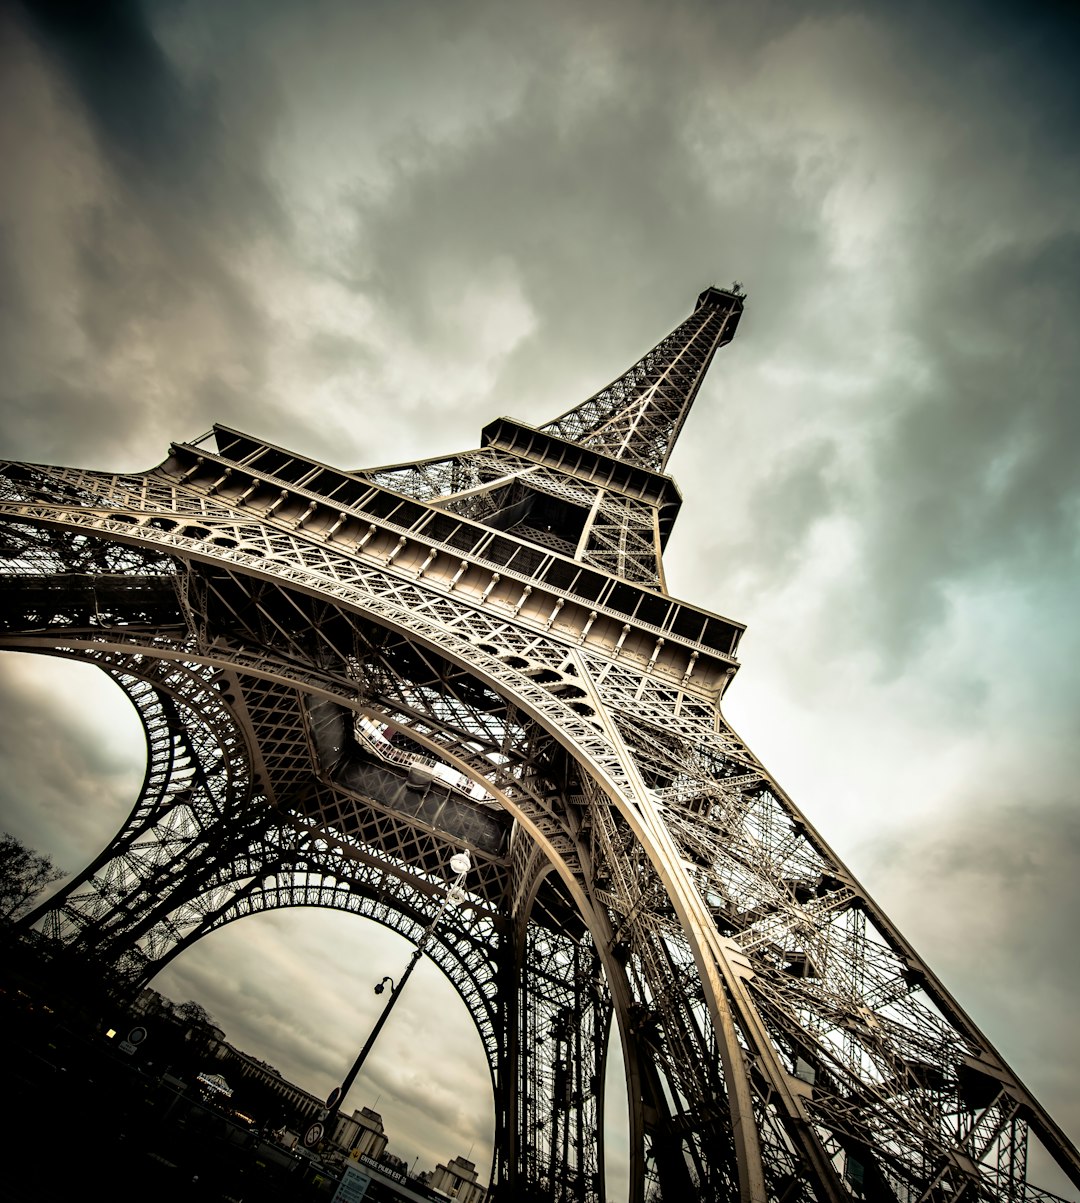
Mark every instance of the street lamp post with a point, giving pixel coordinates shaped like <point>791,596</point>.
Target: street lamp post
<point>460,863</point>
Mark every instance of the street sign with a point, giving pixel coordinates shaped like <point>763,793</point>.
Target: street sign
<point>353,1186</point>
<point>313,1135</point>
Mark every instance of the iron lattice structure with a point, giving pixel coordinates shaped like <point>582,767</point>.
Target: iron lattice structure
<point>345,676</point>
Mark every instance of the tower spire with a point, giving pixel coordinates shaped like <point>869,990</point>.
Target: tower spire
<point>589,485</point>
<point>637,417</point>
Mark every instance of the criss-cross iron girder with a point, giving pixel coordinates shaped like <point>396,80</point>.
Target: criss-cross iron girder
<point>345,675</point>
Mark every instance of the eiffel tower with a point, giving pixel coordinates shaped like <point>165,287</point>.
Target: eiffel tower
<point>346,677</point>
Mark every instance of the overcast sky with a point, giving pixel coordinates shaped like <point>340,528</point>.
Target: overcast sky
<point>365,229</point>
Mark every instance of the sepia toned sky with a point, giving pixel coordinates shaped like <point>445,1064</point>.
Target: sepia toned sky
<point>363,229</point>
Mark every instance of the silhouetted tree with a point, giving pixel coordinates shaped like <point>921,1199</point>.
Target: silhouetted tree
<point>194,1013</point>
<point>24,873</point>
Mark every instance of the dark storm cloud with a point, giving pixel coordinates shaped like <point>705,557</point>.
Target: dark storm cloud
<point>172,136</point>
<point>954,467</point>
<point>145,118</point>
<point>982,476</point>
<point>606,174</point>
<point>154,176</point>
<point>1027,55</point>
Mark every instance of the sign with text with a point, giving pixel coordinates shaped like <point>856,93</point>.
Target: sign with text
<point>389,1171</point>
<point>353,1186</point>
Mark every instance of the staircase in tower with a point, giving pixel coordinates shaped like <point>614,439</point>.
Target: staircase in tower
<point>347,676</point>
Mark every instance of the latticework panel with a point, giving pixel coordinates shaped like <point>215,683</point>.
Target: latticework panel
<point>564,1015</point>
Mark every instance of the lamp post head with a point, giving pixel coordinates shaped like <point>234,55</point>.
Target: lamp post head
<point>461,862</point>
<point>382,985</point>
